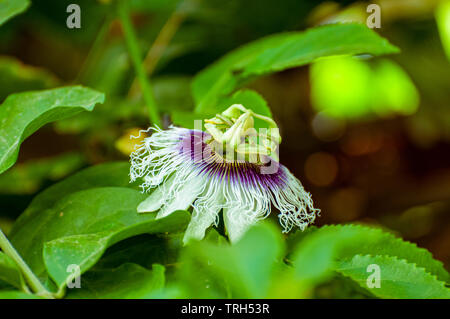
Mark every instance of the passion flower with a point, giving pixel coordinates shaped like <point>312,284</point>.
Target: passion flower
<point>229,167</point>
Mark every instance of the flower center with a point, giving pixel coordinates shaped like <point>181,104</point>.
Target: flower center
<point>234,136</point>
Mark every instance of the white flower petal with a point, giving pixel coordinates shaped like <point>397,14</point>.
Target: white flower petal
<point>153,202</point>
<point>157,198</point>
<point>237,222</point>
<point>181,196</point>
<point>200,221</point>
<point>206,211</point>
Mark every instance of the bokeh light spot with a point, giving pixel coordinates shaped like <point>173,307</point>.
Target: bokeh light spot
<point>352,88</point>
<point>341,86</point>
<point>346,204</point>
<point>321,168</point>
<point>327,128</point>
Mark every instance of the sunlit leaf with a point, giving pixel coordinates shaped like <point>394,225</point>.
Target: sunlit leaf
<point>341,87</point>
<point>443,22</point>
<point>351,88</point>
<point>394,92</point>
<point>283,51</point>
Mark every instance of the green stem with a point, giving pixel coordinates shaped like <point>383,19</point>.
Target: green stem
<point>162,40</point>
<point>210,98</point>
<point>135,55</point>
<point>95,50</point>
<point>30,277</point>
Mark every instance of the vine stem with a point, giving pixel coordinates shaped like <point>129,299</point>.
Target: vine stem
<point>30,277</point>
<point>95,49</point>
<point>162,41</point>
<point>135,55</point>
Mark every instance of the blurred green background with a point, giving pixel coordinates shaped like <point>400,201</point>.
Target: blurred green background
<point>369,138</point>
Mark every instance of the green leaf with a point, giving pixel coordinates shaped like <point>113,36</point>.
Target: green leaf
<point>249,98</point>
<point>108,174</point>
<point>15,294</point>
<point>188,119</point>
<point>10,8</point>
<point>283,51</point>
<point>398,278</point>
<point>24,113</point>
<point>316,253</point>
<point>78,228</point>
<point>9,272</point>
<point>242,270</point>
<point>144,250</point>
<point>345,87</point>
<point>443,22</point>
<point>129,281</point>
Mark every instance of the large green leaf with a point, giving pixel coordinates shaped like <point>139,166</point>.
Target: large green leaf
<point>9,272</point>
<point>319,252</point>
<point>129,281</point>
<point>23,113</point>
<point>78,228</point>
<point>86,250</point>
<point>242,270</point>
<point>344,87</point>
<point>10,8</point>
<point>108,174</point>
<point>282,51</point>
<point>398,278</point>
<point>250,99</point>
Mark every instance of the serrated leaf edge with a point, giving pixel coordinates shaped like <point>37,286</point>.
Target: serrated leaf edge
<point>395,258</point>
<point>387,233</point>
